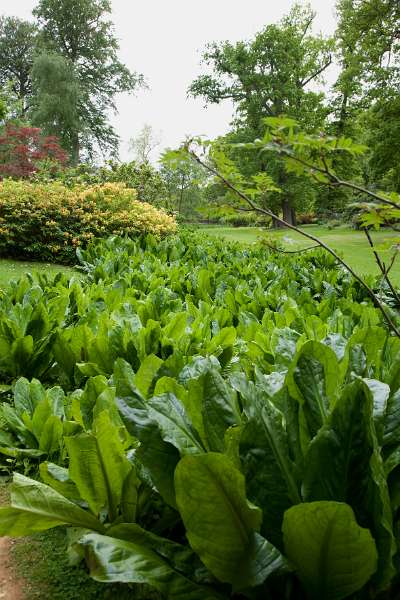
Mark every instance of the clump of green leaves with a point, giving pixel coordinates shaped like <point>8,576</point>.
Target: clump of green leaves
<point>223,412</point>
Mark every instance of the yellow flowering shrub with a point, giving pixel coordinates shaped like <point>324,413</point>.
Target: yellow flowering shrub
<point>48,221</point>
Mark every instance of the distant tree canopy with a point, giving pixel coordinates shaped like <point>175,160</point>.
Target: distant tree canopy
<point>18,43</point>
<point>280,72</point>
<point>65,69</point>
<point>273,74</point>
<point>144,144</point>
<point>61,74</point>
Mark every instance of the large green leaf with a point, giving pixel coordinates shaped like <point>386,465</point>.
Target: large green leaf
<point>17,426</point>
<point>51,436</point>
<point>174,424</point>
<point>344,464</point>
<point>221,525</point>
<point>84,405</point>
<point>37,507</point>
<point>178,556</point>
<point>313,379</point>
<point>270,473</point>
<point>220,409</point>
<point>21,353</point>
<point>17,523</point>
<point>146,373</point>
<point>27,395</point>
<point>380,393</point>
<point>158,457</point>
<point>333,556</point>
<point>41,414</point>
<point>283,345</point>
<point>391,433</point>
<point>115,560</point>
<point>59,479</point>
<point>98,466</point>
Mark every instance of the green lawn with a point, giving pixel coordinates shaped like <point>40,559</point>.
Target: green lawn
<point>351,244</point>
<point>12,269</point>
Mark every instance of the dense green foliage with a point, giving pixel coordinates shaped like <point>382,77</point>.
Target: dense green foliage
<point>48,221</point>
<point>208,420</point>
<point>228,416</point>
<point>18,41</point>
<point>64,69</point>
<point>279,73</point>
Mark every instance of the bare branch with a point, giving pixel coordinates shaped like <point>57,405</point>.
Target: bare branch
<point>307,26</point>
<point>318,242</point>
<point>314,75</point>
<point>381,265</point>
<point>336,181</point>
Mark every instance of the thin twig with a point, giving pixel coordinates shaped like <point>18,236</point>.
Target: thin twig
<point>319,242</point>
<point>275,249</point>
<point>334,179</point>
<point>381,265</point>
<point>392,261</point>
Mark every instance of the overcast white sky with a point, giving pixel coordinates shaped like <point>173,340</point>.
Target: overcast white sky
<point>163,39</point>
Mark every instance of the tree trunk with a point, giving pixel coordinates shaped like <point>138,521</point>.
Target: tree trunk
<point>288,212</point>
<point>288,215</point>
<point>75,150</point>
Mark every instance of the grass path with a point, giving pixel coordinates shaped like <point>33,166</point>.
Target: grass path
<point>11,585</point>
<point>13,269</point>
<point>351,244</point>
<point>37,568</point>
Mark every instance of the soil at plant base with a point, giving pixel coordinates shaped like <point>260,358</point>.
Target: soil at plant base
<point>11,587</point>
<point>37,568</point>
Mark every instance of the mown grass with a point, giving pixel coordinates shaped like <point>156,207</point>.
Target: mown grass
<point>350,243</point>
<point>14,269</point>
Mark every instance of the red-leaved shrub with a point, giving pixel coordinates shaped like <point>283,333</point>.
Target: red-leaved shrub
<point>22,149</point>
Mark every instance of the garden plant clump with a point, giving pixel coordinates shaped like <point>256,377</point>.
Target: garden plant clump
<point>48,221</point>
<point>212,420</point>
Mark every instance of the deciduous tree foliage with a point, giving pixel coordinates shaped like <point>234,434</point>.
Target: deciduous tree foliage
<point>270,75</point>
<point>79,31</point>
<point>278,72</point>
<point>17,47</point>
<point>369,84</point>
<point>56,98</point>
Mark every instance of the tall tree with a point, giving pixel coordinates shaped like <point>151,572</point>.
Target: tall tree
<point>56,97</point>
<point>18,42</point>
<point>347,90</point>
<point>369,42</point>
<point>276,73</point>
<point>80,31</point>
<point>273,74</point>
